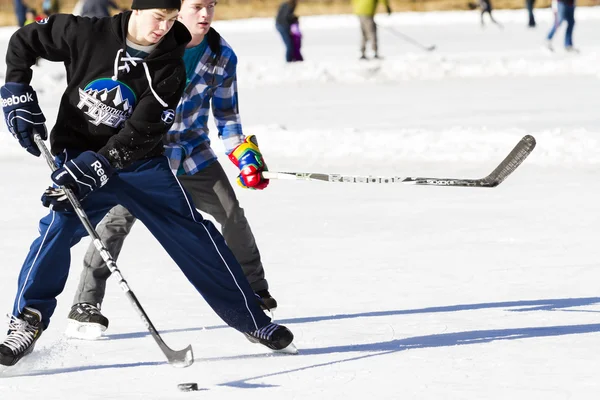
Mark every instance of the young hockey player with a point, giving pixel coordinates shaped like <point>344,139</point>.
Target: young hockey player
<point>211,77</point>
<point>296,35</point>
<point>125,75</point>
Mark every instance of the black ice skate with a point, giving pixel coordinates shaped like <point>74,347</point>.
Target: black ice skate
<point>86,322</point>
<point>276,337</point>
<point>23,332</point>
<point>267,302</point>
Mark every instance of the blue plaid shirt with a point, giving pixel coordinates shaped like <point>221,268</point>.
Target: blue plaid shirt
<point>187,144</point>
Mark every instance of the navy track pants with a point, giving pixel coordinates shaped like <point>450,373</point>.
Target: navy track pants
<point>150,191</point>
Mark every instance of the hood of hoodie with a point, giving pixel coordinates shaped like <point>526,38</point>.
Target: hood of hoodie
<point>176,42</point>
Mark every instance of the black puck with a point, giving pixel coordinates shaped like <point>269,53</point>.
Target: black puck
<point>188,387</point>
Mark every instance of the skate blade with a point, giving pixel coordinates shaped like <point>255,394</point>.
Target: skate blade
<point>84,331</point>
<point>271,313</point>
<point>290,349</point>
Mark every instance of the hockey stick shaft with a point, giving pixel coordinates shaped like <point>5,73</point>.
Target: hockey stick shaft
<point>181,358</point>
<point>410,39</point>
<point>510,163</point>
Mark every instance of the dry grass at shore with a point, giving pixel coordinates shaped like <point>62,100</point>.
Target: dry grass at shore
<point>235,9</point>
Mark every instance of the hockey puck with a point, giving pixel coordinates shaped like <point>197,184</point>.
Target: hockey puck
<point>188,387</point>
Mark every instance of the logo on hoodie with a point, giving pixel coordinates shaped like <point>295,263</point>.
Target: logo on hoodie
<point>107,102</point>
<point>168,116</point>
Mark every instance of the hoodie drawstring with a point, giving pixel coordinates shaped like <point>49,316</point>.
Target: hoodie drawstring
<point>125,67</point>
<point>151,88</point>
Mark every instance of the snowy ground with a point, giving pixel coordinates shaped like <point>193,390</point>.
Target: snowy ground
<point>392,291</point>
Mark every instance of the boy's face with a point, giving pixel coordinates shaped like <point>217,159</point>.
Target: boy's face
<point>155,23</point>
<point>197,15</point>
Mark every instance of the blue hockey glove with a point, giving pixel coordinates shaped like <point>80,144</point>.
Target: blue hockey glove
<point>84,174</point>
<point>23,115</point>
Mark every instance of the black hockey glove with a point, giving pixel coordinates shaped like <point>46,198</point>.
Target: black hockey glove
<point>56,199</point>
<point>84,174</point>
<point>23,115</point>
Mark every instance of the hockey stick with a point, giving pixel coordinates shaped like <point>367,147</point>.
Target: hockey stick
<point>502,171</point>
<point>410,39</point>
<point>177,358</point>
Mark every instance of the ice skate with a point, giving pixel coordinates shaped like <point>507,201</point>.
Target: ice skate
<point>86,322</point>
<point>571,49</point>
<point>23,332</point>
<point>276,337</point>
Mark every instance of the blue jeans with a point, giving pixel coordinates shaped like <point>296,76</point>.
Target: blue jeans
<point>150,191</point>
<point>565,13</point>
<point>287,41</point>
<point>530,4</point>
<point>20,11</point>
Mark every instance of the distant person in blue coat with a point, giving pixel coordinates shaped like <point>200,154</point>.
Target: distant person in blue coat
<point>283,22</point>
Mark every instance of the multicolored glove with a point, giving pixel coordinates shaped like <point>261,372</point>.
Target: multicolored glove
<point>249,160</point>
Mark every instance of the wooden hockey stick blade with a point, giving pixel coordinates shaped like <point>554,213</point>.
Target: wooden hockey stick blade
<point>520,152</point>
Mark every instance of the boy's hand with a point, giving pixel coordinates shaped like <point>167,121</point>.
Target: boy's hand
<point>23,115</point>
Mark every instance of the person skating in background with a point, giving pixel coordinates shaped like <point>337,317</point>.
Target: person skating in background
<point>125,76</point>
<point>486,7</point>
<point>50,7</point>
<point>211,73</point>
<point>565,11</point>
<point>20,11</point>
<point>30,16</point>
<point>98,8</point>
<point>283,22</point>
<point>530,5</point>
<point>365,10</point>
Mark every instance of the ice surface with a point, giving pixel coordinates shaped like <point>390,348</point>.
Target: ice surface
<point>391,291</point>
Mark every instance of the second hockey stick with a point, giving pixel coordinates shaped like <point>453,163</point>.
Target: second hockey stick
<point>520,152</point>
<point>409,39</point>
<point>177,358</point>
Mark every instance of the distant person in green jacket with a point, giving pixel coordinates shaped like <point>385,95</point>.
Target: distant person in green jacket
<point>365,9</point>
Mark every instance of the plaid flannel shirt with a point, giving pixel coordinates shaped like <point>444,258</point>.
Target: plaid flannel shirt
<point>187,144</point>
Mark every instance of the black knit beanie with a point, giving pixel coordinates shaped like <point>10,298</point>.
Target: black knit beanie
<point>161,4</point>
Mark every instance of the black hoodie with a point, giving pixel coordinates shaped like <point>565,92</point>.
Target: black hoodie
<point>117,107</point>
